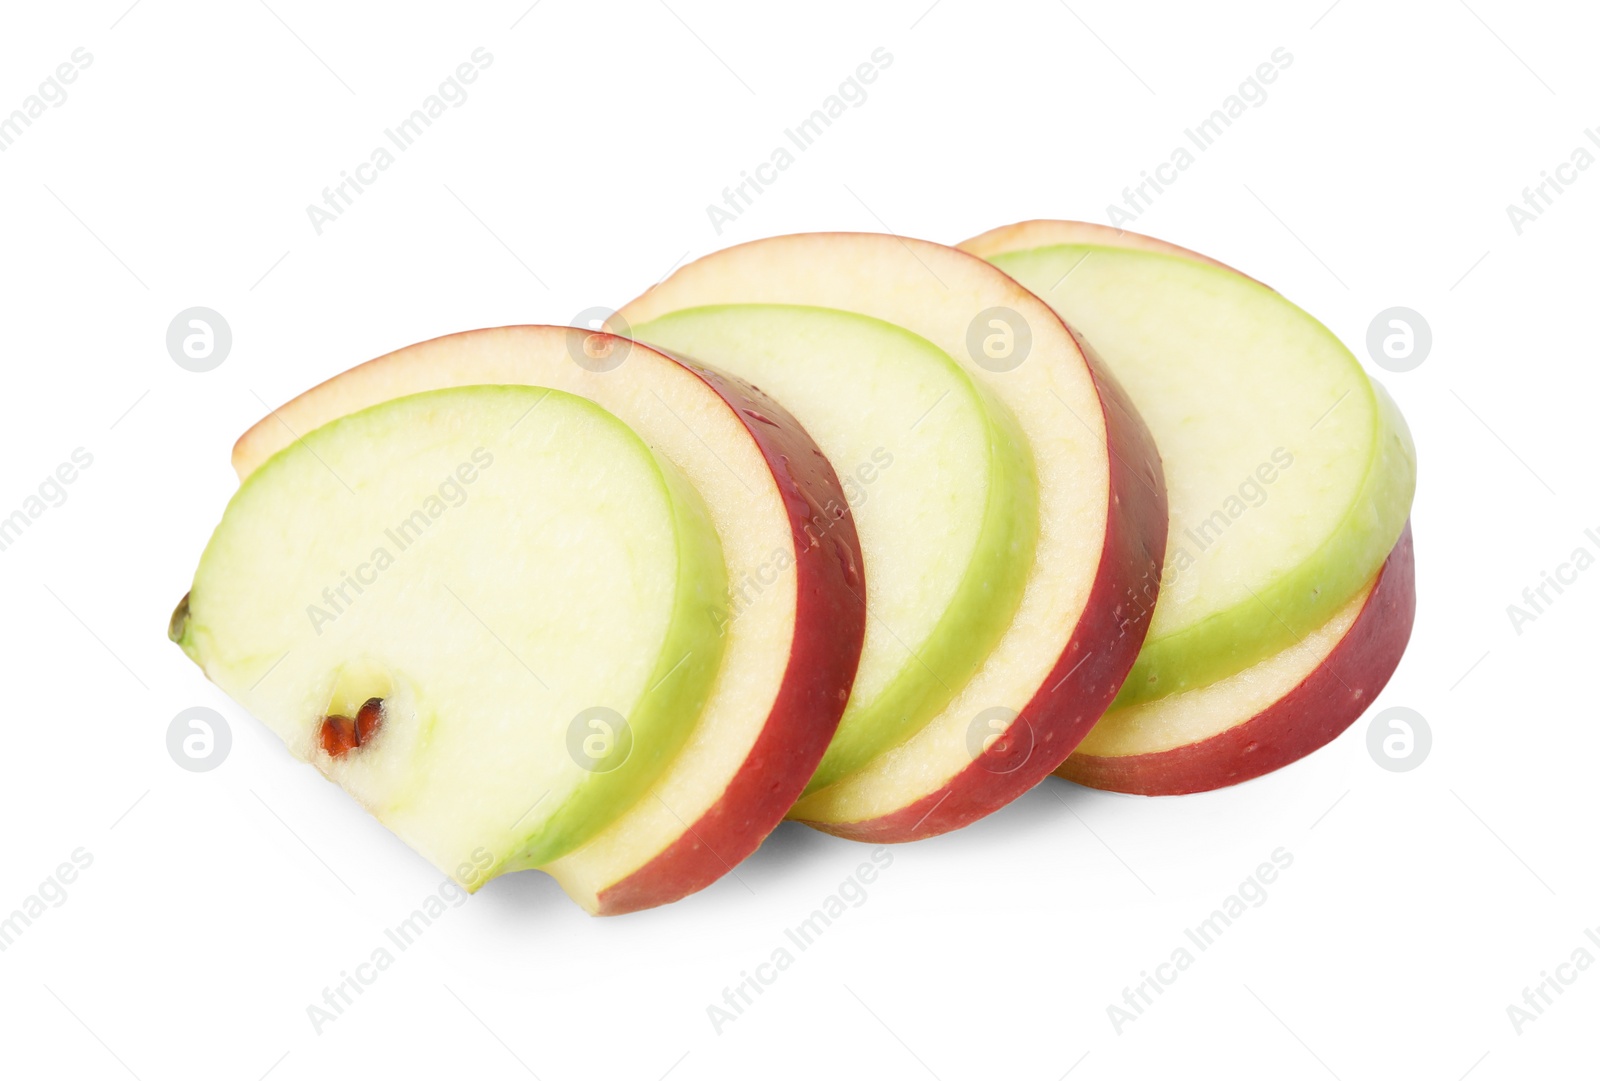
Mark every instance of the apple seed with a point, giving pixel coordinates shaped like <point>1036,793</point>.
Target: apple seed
<point>341,734</point>
<point>368,718</point>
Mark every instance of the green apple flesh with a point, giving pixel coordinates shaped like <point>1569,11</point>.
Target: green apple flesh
<point>1289,473</point>
<point>1100,503</point>
<point>532,593</point>
<point>789,650</point>
<point>942,487</point>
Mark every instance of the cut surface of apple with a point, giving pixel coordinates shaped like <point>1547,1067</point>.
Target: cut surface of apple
<point>1289,473</point>
<point>1012,521</point>
<point>792,634</point>
<point>1271,714</point>
<point>940,475</point>
<point>531,596</point>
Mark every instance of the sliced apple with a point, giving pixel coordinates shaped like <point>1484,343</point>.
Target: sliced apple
<point>490,613</point>
<point>1289,473</point>
<point>777,508</point>
<point>939,471</point>
<point>1273,713</point>
<point>1011,548</point>
<point>1041,233</point>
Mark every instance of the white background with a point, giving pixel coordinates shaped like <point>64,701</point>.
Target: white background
<point>219,905</point>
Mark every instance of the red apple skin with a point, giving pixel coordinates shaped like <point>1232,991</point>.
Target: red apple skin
<point>1320,707</point>
<point>1098,657</point>
<point>831,621</point>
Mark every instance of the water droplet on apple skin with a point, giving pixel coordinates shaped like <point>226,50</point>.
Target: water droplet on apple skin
<point>847,565</point>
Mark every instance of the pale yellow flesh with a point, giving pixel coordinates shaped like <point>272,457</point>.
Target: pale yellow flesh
<point>936,292</point>
<point>1217,423</point>
<point>937,478</point>
<point>1044,232</point>
<point>1289,474</point>
<point>1191,716</point>
<point>490,562</point>
<point>688,424</point>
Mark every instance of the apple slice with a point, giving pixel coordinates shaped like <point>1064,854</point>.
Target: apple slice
<point>1273,713</point>
<point>1040,233</point>
<point>1289,473</point>
<point>788,661</point>
<point>1010,507</point>
<point>934,464</point>
<point>491,614</point>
